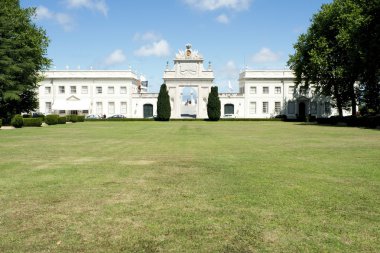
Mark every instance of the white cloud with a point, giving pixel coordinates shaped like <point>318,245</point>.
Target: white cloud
<point>157,48</point>
<point>148,36</point>
<point>230,70</point>
<point>43,13</point>
<point>265,55</point>
<point>94,5</point>
<point>224,19</point>
<point>115,58</point>
<point>211,5</point>
<point>62,19</point>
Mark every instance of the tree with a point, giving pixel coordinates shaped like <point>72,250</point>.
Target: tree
<point>365,38</point>
<point>322,60</point>
<point>213,104</point>
<point>23,48</point>
<point>163,104</point>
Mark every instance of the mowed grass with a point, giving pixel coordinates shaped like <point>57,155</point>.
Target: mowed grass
<point>189,187</point>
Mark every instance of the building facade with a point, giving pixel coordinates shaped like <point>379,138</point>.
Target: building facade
<point>262,93</point>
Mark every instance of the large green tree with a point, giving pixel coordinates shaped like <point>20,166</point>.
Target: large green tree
<point>23,48</point>
<point>342,46</point>
<point>163,104</point>
<point>323,61</point>
<point>213,104</point>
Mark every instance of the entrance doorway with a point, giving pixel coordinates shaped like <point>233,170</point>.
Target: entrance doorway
<point>302,110</point>
<point>148,111</point>
<point>229,109</point>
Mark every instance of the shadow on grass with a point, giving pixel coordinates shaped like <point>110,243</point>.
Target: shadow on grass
<point>337,126</point>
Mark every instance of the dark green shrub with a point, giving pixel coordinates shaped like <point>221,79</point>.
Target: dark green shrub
<point>213,105</point>
<point>163,104</point>
<point>32,122</point>
<point>1,122</point>
<point>311,118</point>
<point>38,115</point>
<point>17,121</point>
<point>62,120</point>
<point>52,119</point>
<point>25,116</point>
<point>72,118</point>
<point>80,118</point>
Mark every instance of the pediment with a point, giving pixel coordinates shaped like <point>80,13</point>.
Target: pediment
<point>72,98</point>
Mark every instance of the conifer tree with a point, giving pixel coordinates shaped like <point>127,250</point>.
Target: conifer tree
<point>213,105</point>
<point>163,104</point>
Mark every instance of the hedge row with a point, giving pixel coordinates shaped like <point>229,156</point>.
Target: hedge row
<point>32,122</point>
<point>365,121</point>
<point>17,121</point>
<point>52,119</point>
<point>62,120</point>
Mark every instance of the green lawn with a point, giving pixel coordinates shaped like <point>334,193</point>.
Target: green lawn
<point>189,187</point>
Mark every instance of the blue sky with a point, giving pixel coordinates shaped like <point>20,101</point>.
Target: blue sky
<point>145,34</point>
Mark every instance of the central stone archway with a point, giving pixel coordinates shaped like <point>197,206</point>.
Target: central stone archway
<point>189,99</point>
<point>188,73</point>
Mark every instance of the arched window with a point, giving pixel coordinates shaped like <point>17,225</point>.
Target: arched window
<point>148,110</point>
<point>229,109</point>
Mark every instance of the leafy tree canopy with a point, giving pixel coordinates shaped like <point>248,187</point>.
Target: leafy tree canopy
<point>23,48</point>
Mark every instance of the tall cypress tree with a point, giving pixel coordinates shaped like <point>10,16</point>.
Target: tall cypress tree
<point>163,104</point>
<point>213,104</point>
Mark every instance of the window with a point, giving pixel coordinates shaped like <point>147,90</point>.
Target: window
<point>47,90</point>
<point>252,108</point>
<point>123,107</point>
<point>313,108</point>
<point>327,108</point>
<point>277,107</point>
<point>266,90</point>
<point>291,108</point>
<point>265,107</point>
<point>73,89</point>
<point>252,90</point>
<point>123,90</point>
<point>85,111</point>
<point>241,90</point>
<point>48,107</point>
<point>61,89</point>
<point>229,109</point>
<point>277,90</point>
<point>62,111</point>
<point>291,89</point>
<point>99,90</point>
<point>99,107</point>
<point>111,107</point>
<point>111,90</point>
<point>84,89</point>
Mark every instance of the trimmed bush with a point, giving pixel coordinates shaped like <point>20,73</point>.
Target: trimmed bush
<point>1,122</point>
<point>72,118</point>
<point>38,115</point>
<point>17,121</point>
<point>80,118</point>
<point>32,122</point>
<point>163,104</point>
<point>62,120</point>
<point>213,104</point>
<point>52,119</point>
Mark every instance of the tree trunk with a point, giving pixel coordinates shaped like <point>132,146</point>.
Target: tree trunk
<point>338,102</point>
<point>353,99</point>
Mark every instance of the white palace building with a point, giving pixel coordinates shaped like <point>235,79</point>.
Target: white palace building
<point>262,93</point>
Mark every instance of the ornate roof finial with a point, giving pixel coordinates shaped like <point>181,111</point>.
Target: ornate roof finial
<point>188,46</point>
